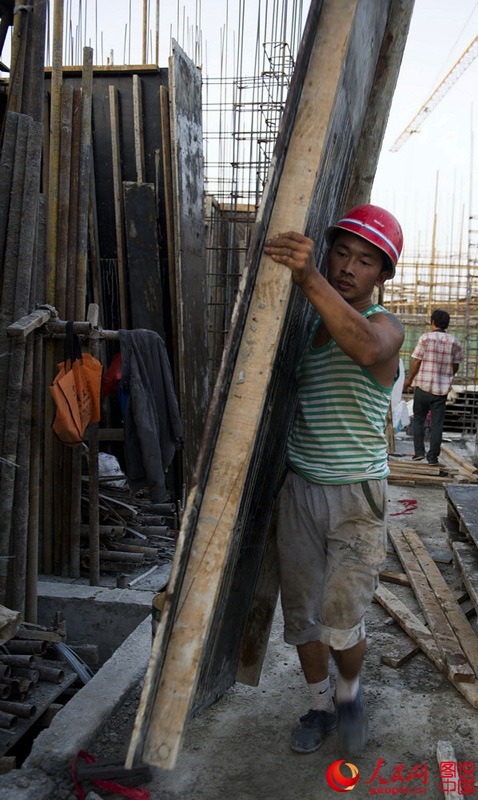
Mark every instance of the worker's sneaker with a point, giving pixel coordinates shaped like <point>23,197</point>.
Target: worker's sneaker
<point>352,726</point>
<point>418,457</point>
<point>312,730</point>
<point>433,461</point>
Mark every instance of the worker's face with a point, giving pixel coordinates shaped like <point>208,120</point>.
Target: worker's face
<point>354,268</point>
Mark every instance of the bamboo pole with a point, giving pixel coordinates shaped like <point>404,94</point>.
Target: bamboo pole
<point>73,213</point>
<point>156,49</point>
<point>93,486</point>
<point>64,198</point>
<point>24,298</point>
<point>94,240</point>
<point>145,32</point>
<point>84,183</point>
<point>31,611</point>
<point>75,513</point>
<point>6,176</point>
<point>11,355</point>
<point>51,257</point>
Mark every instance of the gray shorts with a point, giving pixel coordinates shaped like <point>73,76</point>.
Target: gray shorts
<point>332,544</point>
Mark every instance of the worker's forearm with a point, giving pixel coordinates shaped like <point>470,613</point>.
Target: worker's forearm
<point>351,330</point>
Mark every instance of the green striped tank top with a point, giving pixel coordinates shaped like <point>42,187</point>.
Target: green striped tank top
<point>338,435</point>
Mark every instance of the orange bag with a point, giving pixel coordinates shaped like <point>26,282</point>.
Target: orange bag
<point>76,391</point>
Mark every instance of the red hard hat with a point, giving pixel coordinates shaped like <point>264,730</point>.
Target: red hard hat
<point>374,224</point>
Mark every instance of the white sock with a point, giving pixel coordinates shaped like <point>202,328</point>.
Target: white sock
<point>321,695</point>
<point>346,690</point>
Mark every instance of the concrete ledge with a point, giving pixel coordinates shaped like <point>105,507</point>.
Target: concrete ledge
<point>84,716</point>
<point>94,614</point>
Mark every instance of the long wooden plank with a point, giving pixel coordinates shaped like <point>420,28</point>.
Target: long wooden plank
<point>189,250</point>
<point>424,639</point>
<point>446,753</point>
<point>455,615</point>
<point>327,117</point>
<point>118,202</point>
<point>445,638</point>
<point>459,460</point>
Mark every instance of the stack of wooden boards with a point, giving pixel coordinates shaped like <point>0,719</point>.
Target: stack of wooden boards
<point>461,526</point>
<point>451,469</point>
<point>449,640</point>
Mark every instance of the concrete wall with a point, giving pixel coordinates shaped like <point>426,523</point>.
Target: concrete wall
<point>93,614</point>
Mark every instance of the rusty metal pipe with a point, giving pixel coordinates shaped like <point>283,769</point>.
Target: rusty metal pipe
<point>24,710</point>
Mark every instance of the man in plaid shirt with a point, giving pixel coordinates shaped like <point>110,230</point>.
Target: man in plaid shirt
<point>436,358</point>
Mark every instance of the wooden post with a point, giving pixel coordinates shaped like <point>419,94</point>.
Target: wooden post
<point>84,183</point>
<point>19,47</point>
<point>73,212</point>
<point>51,257</point>
<point>64,198</point>
<point>93,491</point>
<point>118,201</point>
<point>34,496</point>
<point>168,203</point>
<point>138,129</point>
<point>35,62</point>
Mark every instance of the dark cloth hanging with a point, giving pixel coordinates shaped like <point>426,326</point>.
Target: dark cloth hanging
<point>152,425</point>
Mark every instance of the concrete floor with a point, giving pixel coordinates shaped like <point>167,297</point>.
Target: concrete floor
<point>239,747</point>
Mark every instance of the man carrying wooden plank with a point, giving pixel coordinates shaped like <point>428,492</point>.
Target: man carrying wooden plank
<point>331,510</point>
<point>436,359</point>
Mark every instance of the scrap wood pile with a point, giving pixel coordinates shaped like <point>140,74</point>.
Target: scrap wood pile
<point>134,532</point>
<point>446,636</point>
<point>451,469</point>
<point>37,669</point>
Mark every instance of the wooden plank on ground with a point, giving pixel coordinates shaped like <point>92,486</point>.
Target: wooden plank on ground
<point>442,631</point>
<point>399,578</point>
<point>399,654</point>
<point>141,227</point>
<point>252,406</point>
<point>464,501</point>
<point>455,615</point>
<point>446,753</point>
<point>424,639</point>
<point>463,463</point>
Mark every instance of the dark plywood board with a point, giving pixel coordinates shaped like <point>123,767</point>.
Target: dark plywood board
<point>141,227</point>
<point>464,501</point>
<point>185,97</point>
<point>151,81</point>
<point>196,651</point>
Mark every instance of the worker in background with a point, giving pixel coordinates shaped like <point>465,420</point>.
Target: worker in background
<point>332,506</point>
<point>436,359</point>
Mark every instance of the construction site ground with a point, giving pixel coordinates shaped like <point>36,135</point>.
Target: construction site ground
<point>239,747</point>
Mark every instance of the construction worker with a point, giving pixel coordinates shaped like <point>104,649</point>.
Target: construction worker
<point>331,508</point>
<point>436,359</point>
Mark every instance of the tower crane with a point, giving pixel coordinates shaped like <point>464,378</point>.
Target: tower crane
<point>448,81</point>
